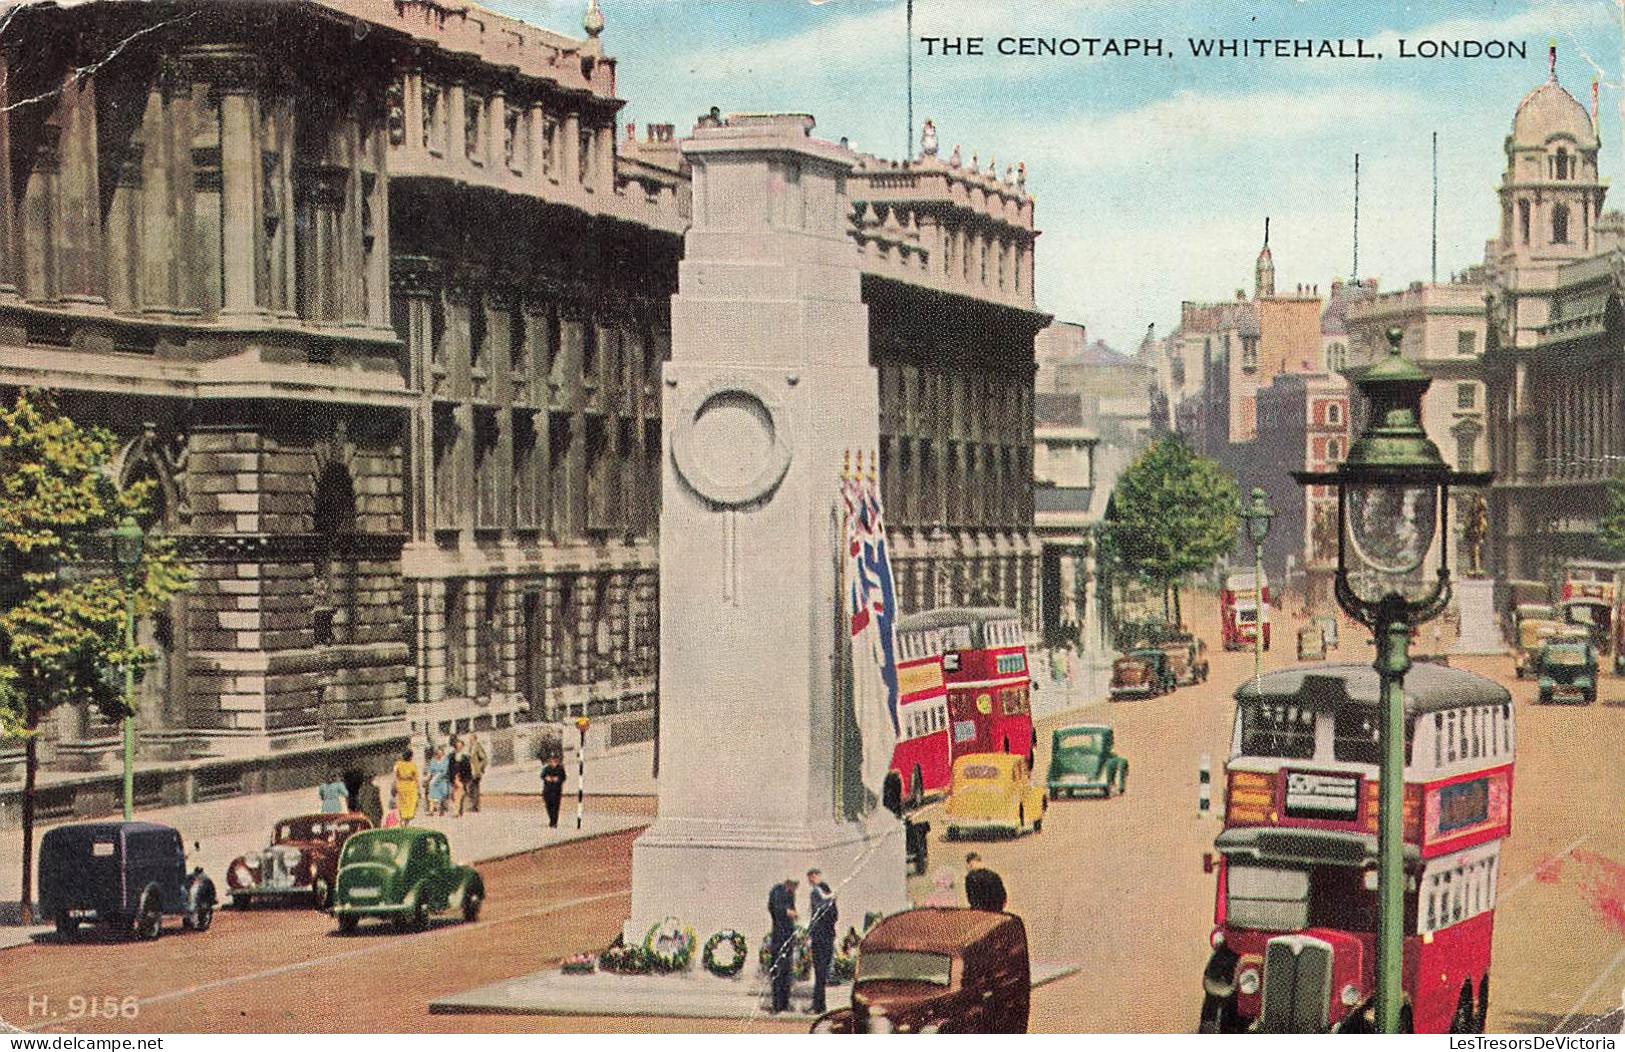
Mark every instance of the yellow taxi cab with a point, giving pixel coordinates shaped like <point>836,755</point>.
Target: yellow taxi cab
<point>992,792</point>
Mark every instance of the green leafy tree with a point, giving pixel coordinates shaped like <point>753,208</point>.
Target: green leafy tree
<point>62,597</point>
<point>1611,527</point>
<point>1172,514</point>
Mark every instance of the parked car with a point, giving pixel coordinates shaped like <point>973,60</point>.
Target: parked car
<point>1082,760</point>
<point>127,875</point>
<point>1567,669</point>
<point>403,874</point>
<point>1141,674</point>
<point>938,970</point>
<point>992,791</point>
<point>1311,643</point>
<point>1535,624</point>
<point>1187,657</point>
<point>301,862</point>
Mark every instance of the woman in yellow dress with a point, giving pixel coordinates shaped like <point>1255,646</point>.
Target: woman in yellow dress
<point>406,787</point>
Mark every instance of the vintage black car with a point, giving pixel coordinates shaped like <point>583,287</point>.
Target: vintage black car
<point>127,875</point>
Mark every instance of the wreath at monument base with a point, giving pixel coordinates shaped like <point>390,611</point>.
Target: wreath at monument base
<point>621,959</point>
<point>799,949</point>
<point>730,965</point>
<point>669,945</point>
<point>842,968</point>
<point>579,964</point>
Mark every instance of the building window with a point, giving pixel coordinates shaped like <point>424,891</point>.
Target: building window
<point>1560,164</point>
<point>1334,450</point>
<point>456,640</point>
<point>1336,357</point>
<point>1523,221</point>
<point>1466,342</point>
<point>584,156</point>
<point>1334,413</point>
<point>1464,452</point>
<point>1560,224</point>
<point>431,116</point>
<point>1466,396</point>
<point>510,137</point>
<point>550,130</point>
<point>473,106</point>
<point>1249,352</point>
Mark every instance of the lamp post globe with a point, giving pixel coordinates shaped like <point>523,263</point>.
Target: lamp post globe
<point>1392,502</point>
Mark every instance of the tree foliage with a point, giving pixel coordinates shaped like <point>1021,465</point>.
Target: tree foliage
<point>1611,526</point>
<point>62,596</point>
<point>1173,513</point>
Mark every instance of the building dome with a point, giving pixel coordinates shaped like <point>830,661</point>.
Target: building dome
<point>1550,110</point>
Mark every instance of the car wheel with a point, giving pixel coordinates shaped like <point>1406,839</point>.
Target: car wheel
<point>149,917</point>
<point>199,916</point>
<point>66,926</point>
<point>1038,826</point>
<point>348,923</point>
<point>1464,1018</point>
<point>239,902</point>
<point>1483,1005</point>
<point>473,896</point>
<point>321,893</point>
<point>418,919</point>
<point>1218,1016</point>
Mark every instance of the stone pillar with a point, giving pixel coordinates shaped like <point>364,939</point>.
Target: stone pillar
<point>8,230</point>
<point>236,79</point>
<point>77,238</point>
<point>570,154</point>
<point>769,382</point>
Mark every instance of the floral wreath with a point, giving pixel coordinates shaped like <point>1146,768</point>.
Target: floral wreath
<point>622,959</point>
<point>738,952</point>
<point>669,945</point>
<point>799,948</point>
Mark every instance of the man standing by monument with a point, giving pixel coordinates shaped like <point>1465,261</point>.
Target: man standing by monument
<point>821,934</point>
<point>781,907</point>
<point>553,775</point>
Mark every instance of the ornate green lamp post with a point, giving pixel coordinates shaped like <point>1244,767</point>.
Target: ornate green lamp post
<point>129,542</point>
<point>1257,516</point>
<point>1392,500</point>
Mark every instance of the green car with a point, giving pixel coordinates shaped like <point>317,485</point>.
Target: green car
<point>404,874</point>
<point>1567,670</point>
<point>1081,760</point>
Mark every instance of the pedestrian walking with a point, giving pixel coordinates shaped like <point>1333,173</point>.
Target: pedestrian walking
<point>820,934</point>
<point>439,781</point>
<point>462,774</point>
<point>984,889</point>
<point>781,907</point>
<point>553,776</point>
<point>406,787</point>
<point>369,801</point>
<point>334,797</point>
<point>393,818</point>
<point>478,760</point>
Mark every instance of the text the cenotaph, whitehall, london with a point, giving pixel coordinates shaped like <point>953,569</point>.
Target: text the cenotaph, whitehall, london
<point>768,386</point>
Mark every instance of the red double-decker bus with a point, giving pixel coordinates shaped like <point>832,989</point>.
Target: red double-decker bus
<point>989,690</point>
<point>1294,942</point>
<point>923,758</point>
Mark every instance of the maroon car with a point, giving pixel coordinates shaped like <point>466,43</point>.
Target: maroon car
<point>302,861</point>
<point>938,971</point>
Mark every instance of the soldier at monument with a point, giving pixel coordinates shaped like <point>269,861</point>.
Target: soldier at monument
<point>821,934</point>
<point>781,906</point>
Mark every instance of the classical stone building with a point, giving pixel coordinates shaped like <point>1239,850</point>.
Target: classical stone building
<point>375,292</point>
<point>1553,359</point>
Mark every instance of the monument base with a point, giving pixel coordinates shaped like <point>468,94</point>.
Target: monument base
<point>1475,604</point>
<point>713,878</point>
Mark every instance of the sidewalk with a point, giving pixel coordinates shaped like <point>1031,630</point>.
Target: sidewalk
<point>224,829</point>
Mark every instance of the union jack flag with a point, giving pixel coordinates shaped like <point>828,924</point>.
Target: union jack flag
<point>871,610</point>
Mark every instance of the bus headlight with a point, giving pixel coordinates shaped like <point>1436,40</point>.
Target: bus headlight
<point>1217,938</point>
<point>1247,982</point>
<point>1351,995</point>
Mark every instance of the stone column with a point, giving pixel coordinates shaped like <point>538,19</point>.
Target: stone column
<point>569,153</point>
<point>769,382</point>
<point>77,236</point>
<point>240,175</point>
<point>8,230</point>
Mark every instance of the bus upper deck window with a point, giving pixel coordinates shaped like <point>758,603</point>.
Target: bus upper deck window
<point>1354,736</point>
<point>1278,729</point>
<point>1438,739</point>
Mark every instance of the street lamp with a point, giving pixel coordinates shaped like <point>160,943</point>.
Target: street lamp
<point>128,544</point>
<point>582,723</point>
<point>1257,516</point>
<point>1392,499</point>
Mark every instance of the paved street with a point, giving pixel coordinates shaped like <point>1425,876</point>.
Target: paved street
<point>1114,886</point>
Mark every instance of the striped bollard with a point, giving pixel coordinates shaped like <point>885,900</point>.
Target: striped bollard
<point>582,723</point>
<point>1204,787</point>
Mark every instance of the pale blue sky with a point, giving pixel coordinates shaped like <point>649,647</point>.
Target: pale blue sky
<point>1152,175</point>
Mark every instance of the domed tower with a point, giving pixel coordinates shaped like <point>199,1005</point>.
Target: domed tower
<point>1551,196</point>
<point>1264,271</point>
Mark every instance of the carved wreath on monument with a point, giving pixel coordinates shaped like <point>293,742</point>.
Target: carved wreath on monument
<point>728,442</point>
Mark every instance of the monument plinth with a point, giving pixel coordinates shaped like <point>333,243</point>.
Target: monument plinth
<point>769,385</point>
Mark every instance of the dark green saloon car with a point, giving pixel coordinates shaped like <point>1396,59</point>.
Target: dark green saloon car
<point>404,874</point>
<point>1082,760</point>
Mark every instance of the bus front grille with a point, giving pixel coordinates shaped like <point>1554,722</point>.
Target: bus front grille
<point>1297,985</point>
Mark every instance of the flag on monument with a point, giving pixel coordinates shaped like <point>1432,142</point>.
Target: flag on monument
<point>871,609</point>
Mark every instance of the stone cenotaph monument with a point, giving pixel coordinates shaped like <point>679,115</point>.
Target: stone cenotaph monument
<point>769,385</point>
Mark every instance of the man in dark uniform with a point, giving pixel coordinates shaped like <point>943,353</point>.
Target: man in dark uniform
<point>781,906</point>
<point>553,789</point>
<point>821,934</point>
<point>984,889</point>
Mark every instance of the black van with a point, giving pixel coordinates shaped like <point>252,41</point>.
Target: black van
<point>127,875</point>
